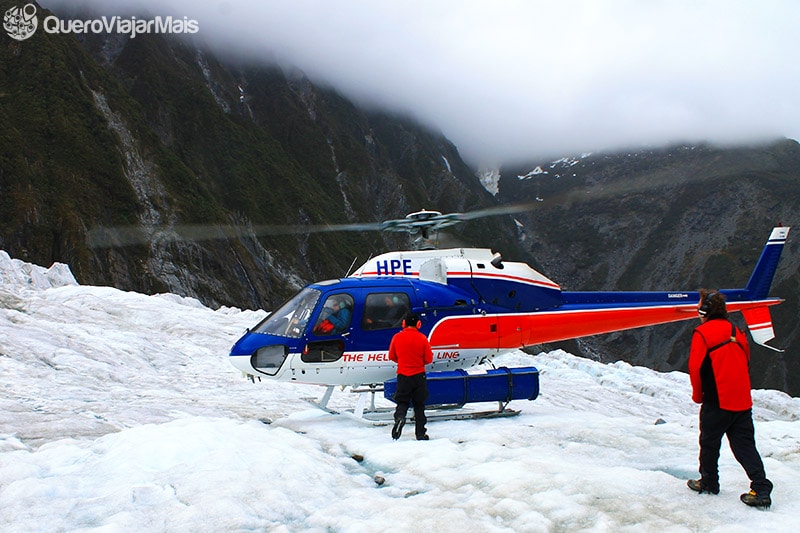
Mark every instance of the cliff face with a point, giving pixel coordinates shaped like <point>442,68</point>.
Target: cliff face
<point>677,218</point>
<point>155,133</point>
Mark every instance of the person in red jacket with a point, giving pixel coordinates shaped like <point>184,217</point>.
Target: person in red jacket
<point>411,351</point>
<point>719,370</point>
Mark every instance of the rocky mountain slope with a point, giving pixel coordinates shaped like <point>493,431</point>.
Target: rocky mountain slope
<point>155,133</point>
<point>681,218</point>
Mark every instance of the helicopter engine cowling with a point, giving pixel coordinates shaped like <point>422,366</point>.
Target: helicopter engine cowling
<point>507,285</point>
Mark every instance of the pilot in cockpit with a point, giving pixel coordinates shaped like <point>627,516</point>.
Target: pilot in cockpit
<point>339,318</point>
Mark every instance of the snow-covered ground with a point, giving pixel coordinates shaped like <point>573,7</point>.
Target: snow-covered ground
<point>120,412</point>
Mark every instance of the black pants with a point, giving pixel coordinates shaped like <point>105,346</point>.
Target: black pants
<point>738,426</point>
<point>412,389</point>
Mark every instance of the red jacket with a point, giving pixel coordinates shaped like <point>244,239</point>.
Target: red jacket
<point>411,351</point>
<point>721,375</point>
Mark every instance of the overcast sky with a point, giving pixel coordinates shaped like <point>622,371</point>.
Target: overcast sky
<point>518,80</point>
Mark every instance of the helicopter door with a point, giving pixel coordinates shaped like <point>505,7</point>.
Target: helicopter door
<point>382,317</point>
<point>328,338</point>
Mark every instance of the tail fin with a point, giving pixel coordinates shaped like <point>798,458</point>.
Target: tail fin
<point>758,319</point>
<point>761,279</point>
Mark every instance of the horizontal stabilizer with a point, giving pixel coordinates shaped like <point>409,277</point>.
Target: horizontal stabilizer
<point>759,322</point>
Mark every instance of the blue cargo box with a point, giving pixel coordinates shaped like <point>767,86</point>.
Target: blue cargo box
<point>458,387</point>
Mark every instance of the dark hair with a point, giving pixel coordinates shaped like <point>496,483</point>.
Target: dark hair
<point>712,304</point>
<point>411,320</point>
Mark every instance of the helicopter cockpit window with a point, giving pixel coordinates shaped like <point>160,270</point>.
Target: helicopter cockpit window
<point>383,310</point>
<point>290,319</point>
<point>335,316</point>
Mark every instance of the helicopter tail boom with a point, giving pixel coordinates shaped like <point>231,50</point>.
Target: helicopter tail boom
<point>517,330</point>
<point>592,313</point>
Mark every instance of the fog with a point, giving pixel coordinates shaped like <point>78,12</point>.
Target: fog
<point>516,80</point>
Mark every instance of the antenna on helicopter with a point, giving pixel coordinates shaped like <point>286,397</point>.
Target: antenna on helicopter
<point>351,266</point>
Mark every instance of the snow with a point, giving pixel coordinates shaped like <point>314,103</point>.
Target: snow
<point>535,172</point>
<point>120,412</point>
<point>563,163</point>
<point>490,179</point>
<point>447,164</point>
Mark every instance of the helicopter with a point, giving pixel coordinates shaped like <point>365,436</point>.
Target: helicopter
<point>473,306</point>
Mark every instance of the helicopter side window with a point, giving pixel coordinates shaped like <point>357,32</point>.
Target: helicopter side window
<point>335,316</point>
<point>383,310</point>
<point>326,351</point>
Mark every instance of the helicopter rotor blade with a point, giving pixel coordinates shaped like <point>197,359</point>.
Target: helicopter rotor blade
<point>419,222</point>
<point>435,220</point>
<point>108,237</point>
<point>495,211</point>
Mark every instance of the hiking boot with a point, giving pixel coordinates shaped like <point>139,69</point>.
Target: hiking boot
<point>424,437</point>
<point>697,485</point>
<point>754,500</point>
<point>397,430</point>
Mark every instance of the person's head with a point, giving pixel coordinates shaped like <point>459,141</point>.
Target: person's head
<point>711,305</point>
<point>412,321</point>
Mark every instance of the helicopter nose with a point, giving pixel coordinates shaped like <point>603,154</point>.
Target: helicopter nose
<point>268,359</point>
<point>259,354</point>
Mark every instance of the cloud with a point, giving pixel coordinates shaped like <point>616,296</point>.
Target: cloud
<point>514,80</point>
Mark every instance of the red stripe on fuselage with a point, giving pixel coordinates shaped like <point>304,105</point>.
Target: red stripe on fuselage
<point>466,275</point>
<point>506,331</point>
<point>506,277</point>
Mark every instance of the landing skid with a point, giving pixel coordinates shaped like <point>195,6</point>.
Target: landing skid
<point>384,416</point>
